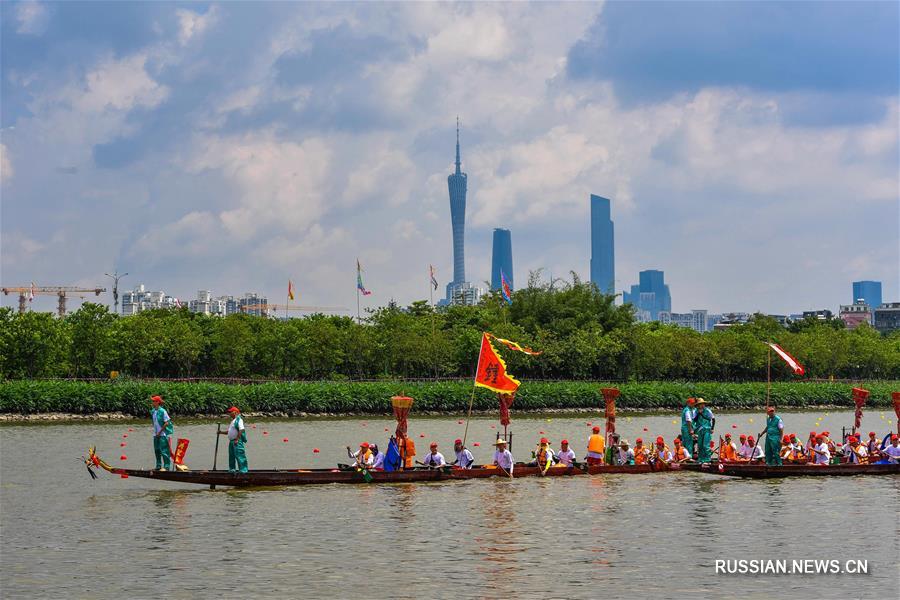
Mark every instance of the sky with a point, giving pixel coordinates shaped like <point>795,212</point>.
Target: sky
<point>750,150</point>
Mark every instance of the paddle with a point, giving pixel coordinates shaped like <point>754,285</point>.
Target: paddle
<point>212,486</point>
<point>753,452</point>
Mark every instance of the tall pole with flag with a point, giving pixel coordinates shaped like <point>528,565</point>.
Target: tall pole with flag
<point>290,296</point>
<point>360,289</point>
<point>432,286</point>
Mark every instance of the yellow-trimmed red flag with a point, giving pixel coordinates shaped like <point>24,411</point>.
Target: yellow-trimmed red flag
<point>515,346</point>
<point>290,289</point>
<point>491,372</point>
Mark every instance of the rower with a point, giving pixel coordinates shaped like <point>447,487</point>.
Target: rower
<point>626,454</point>
<point>680,454</point>
<point>797,453</point>
<point>162,429</point>
<point>821,452</point>
<point>688,415</point>
<point>544,456</point>
<point>377,457</point>
<point>784,452</point>
<point>756,453</point>
<point>744,451</point>
<point>503,458</point>
<point>704,424</point>
<point>661,452</point>
<point>810,445</point>
<point>873,447</point>
<point>408,451</point>
<point>596,447</point>
<point>641,452</point>
<point>464,458</point>
<point>892,452</point>
<point>832,446</point>
<point>363,458</point>
<point>237,437</point>
<point>854,451</point>
<point>434,459</point>
<point>728,451</point>
<point>774,427</point>
<point>566,455</point>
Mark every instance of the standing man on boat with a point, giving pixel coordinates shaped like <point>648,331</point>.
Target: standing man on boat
<point>162,429</point>
<point>774,429</point>
<point>596,447</point>
<point>237,437</point>
<point>464,458</point>
<point>503,458</point>
<point>566,455</point>
<point>688,415</point>
<point>704,424</point>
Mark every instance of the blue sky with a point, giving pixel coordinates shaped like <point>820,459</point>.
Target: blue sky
<point>750,149</point>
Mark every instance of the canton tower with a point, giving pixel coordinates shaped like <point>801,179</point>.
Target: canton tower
<point>456,183</point>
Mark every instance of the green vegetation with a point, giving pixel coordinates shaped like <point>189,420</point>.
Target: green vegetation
<point>582,333</point>
<point>132,397</point>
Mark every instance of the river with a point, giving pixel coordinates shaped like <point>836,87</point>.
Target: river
<point>64,535</point>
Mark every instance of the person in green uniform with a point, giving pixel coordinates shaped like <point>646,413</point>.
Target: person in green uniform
<point>704,424</point>
<point>688,434</point>
<point>774,427</point>
<point>162,429</point>
<point>237,437</point>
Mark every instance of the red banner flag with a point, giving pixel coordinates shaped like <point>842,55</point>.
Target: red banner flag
<point>180,451</point>
<point>401,406</point>
<point>859,398</point>
<point>895,396</point>
<point>610,395</point>
<point>506,401</point>
<point>491,372</point>
<point>792,362</point>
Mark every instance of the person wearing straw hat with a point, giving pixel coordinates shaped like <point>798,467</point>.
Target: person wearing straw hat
<point>162,429</point>
<point>237,437</point>
<point>626,454</point>
<point>704,424</point>
<point>503,458</point>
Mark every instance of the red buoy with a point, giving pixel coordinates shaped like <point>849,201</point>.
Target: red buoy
<point>733,426</point>
<point>645,429</point>
<point>265,433</point>
<point>130,429</point>
<point>284,440</point>
<point>124,435</point>
<point>541,432</point>
<point>421,435</point>
<point>123,457</point>
<point>122,445</point>
<point>315,450</point>
<point>459,422</point>
<point>385,428</point>
<point>588,423</point>
<point>476,444</point>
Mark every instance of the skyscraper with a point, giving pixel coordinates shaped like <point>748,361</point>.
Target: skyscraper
<point>650,297</point>
<point>603,260</point>
<point>459,291</point>
<point>502,258</point>
<point>868,291</point>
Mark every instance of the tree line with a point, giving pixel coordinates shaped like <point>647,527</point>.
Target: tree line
<point>582,333</point>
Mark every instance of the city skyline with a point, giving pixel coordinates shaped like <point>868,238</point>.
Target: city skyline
<point>133,148</point>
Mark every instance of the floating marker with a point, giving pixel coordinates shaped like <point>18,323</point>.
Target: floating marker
<point>459,422</point>
<point>588,423</point>
<point>751,420</point>
<point>645,429</point>
<point>265,433</point>
<point>130,429</point>
<point>476,444</point>
<point>124,435</point>
<point>733,426</point>
<point>284,440</point>
<point>315,450</point>
<point>493,427</point>
<point>124,475</point>
<point>123,457</point>
<point>541,432</point>
<point>122,445</point>
<point>385,429</point>
<point>674,421</point>
<point>421,435</point>
<point>548,420</point>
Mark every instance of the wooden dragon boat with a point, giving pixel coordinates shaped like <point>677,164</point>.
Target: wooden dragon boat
<point>283,477</point>
<point>762,471</point>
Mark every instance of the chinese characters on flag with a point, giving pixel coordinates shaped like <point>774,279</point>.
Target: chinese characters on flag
<point>491,372</point>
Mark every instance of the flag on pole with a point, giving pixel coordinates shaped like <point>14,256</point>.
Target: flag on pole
<point>290,289</point>
<point>359,283</point>
<point>433,280</point>
<point>491,372</point>
<point>514,346</point>
<point>792,362</point>
<point>504,288</point>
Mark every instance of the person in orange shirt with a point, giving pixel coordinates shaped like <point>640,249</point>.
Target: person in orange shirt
<point>680,454</point>
<point>596,447</point>
<point>641,452</point>
<point>408,452</point>
<point>728,451</point>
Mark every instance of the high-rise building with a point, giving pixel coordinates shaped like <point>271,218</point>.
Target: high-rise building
<point>650,296</point>
<point>502,258</point>
<point>867,291</point>
<point>140,299</point>
<point>457,184</point>
<point>887,317</point>
<point>603,258</point>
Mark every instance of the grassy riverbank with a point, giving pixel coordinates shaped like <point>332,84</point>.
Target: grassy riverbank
<point>132,398</point>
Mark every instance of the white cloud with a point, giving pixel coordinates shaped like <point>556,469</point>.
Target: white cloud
<point>32,17</point>
<point>191,24</point>
<point>6,168</point>
<point>117,85</point>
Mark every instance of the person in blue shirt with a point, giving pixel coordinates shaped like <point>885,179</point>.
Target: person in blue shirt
<point>162,429</point>
<point>704,424</point>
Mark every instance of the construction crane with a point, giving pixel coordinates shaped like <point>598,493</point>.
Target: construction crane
<point>265,309</point>
<point>59,291</point>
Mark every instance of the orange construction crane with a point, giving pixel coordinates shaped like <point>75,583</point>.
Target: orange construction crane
<point>265,309</point>
<point>48,290</point>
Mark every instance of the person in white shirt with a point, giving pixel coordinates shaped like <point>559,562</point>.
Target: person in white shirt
<point>756,451</point>
<point>377,457</point>
<point>626,454</point>
<point>745,451</point>
<point>892,452</point>
<point>661,452</point>
<point>435,459</point>
<point>464,458</point>
<point>566,455</point>
<point>364,458</point>
<point>503,458</point>
<point>854,452</point>
<point>821,452</point>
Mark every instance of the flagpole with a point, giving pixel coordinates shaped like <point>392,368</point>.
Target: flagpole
<point>431,299</point>
<point>358,320</point>
<point>768,376</point>
<point>472,397</point>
